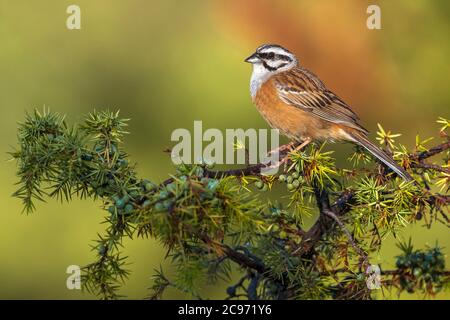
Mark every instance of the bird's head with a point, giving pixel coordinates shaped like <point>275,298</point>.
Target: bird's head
<point>273,58</point>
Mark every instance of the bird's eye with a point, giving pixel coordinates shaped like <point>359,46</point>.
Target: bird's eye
<point>271,55</point>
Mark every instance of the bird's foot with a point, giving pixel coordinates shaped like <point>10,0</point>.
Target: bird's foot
<point>291,147</point>
<point>302,145</point>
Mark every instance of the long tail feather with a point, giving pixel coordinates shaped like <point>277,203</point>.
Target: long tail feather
<point>362,140</point>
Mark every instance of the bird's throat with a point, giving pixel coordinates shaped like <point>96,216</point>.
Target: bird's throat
<point>259,75</point>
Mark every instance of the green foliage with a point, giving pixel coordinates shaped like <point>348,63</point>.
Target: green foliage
<point>421,270</point>
<point>316,167</point>
<point>387,207</point>
<point>215,224</point>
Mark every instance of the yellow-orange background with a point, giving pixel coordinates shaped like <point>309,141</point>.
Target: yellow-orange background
<point>165,64</point>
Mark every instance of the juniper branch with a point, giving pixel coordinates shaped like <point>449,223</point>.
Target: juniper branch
<point>203,215</point>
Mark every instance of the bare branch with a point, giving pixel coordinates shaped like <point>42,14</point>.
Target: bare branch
<point>433,151</point>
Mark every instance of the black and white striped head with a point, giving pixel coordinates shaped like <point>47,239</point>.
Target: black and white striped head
<point>268,60</point>
<point>273,58</point>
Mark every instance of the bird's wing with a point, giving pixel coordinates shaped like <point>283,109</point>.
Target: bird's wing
<point>305,91</point>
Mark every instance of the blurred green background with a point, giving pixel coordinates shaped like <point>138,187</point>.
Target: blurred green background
<point>165,64</point>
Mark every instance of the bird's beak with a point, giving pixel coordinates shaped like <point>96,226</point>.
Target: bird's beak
<point>253,58</point>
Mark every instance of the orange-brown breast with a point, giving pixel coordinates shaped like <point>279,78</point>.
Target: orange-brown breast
<point>292,121</point>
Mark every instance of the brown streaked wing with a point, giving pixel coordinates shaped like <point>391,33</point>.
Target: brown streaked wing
<point>302,89</point>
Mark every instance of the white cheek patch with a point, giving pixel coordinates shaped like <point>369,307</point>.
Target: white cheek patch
<point>277,64</point>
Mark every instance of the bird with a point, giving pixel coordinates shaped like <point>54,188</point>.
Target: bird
<point>295,101</point>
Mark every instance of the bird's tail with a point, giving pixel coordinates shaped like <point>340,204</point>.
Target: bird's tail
<point>361,139</point>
